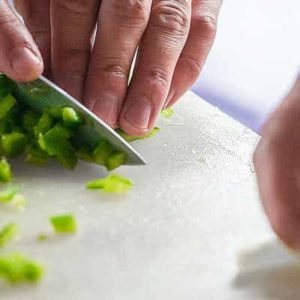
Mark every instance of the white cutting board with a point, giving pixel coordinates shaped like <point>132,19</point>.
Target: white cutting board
<point>176,235</point>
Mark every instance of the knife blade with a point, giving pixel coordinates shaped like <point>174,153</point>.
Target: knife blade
<point>43,94</point>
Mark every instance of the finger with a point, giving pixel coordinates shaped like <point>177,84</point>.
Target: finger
<point>112,56</point>
<point>160,49</point>
<point>36,15</point>
<point>19,56</point>
<point>277,163</point>
<point>73,23</point>
<point>198,45</point>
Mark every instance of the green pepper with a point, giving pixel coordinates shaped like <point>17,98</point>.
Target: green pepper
<point>6,104</point>
<point>64,223</point>
<point>5,171</point>
<point>102,151</point>
<point>17,268</point>
<point>44,124</point>
<point>131,138</point>
<point>13,144</point>
<point>71,117</point>
<point>112,184</point>
<point>167,113</point>
<point>36,155</point>
<point>8,232</point>
<point>30,119</point>
<point>6,86</point>
<point>115,160</point>
<point>8,194</point>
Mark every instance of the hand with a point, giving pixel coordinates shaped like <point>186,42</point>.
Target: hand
<point>277,162</point>
<point>174,38</point>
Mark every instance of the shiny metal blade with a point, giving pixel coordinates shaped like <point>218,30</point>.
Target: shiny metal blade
<point>42,94</point>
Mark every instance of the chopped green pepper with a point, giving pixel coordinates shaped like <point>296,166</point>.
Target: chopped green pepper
<point>36,155</point>
<point>17,268</point>
<point>112,184</point>
<point>6,104</point>
<point>71,117</point>
<point>6,86</point>
<point>167,113</point>
<point>102,151</point>
<point>5,170</point>
<point>30,119</point>
<point>8,232</point>
<point>115,160</point>
<point>131,138</point>
<point>8,194</point>
<point>13,144</point>
<point>64,223</point>
<point>44,124</point>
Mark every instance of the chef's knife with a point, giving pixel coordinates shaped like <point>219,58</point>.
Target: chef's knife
<point>43,94</point>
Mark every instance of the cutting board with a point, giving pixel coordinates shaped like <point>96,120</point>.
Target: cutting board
<point>176,235</point>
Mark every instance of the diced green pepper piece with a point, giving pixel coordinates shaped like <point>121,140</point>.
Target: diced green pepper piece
<point>55,112</point>
<point>17,268</point>
<point>19,202</point>
<point>6,86</point>
<point>67,157</point>
<point>167,113</point>
<point>13,144</point>
<point>36,155</point>
<point>6,104</point>
<point>8,232</point>
<point>131,138</point>
<point>115,160</point>
<point>44,124</point>
<point>8,194</point>
<point>42,237</point>
<point>30,118</point>
<point>102,151</point>
<point>64,223</point>
<point>85,153</point>
<point>5,171</point>
<point>71,117</point>
<point>112,184</point>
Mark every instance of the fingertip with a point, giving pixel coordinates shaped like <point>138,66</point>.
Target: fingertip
<point>25,64</point>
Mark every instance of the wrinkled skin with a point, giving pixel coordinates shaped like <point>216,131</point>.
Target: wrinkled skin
<point>174,39</point>
<point>277,163</point>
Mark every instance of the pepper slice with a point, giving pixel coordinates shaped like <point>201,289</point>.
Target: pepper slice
<point>6,104</point>
<point>64,223</point>
<point>5,171</point>
<point>13,144</point>
<point>8,232</point>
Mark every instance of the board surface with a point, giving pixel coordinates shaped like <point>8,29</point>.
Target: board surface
<point>176,235</point>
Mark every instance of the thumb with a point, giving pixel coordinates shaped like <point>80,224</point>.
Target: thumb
<point>20,58</point>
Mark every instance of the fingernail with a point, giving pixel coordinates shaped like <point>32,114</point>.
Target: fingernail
<point>169,99</point>
<point>138,114</point>
<point>108,110</point>
<point>23,57</point>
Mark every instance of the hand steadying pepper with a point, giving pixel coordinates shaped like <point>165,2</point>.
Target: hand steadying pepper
<point>173,38</point>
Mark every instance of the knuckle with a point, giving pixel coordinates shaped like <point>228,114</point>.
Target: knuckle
<point>191,66</point>
<point>78,7</point>
<point>159,76</point>
<point>136,10</point>
<point>171,16</point>
<point>206,24</point>
<point>108,70</point>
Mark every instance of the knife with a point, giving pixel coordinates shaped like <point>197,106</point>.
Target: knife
<point>43,94</point>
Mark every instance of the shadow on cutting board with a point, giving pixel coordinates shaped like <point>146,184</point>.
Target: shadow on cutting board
<point>270,271</point>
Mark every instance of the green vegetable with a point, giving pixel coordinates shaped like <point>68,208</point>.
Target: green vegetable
<point>8,232</point>
<point>6,104</point>
<point>13,144</point>
<point>8,194</point>
<point>36,155</point>
<point>19,201</point>
<point>71,117</point>
<point>64,223</point>
<point>44,124</point>
<point>42,237</point>
<point>131,138</point>
<point>102,151</point>
<point>115,160</point>
<point>167,113</point>
<point>6,86</point>
<point>5,171</point>
<point>17,268</point>
<point>30,119</point>
<point>112,184</point>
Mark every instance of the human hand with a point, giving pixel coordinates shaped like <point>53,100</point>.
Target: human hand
<point>174,38</point>
<point>277,163</point>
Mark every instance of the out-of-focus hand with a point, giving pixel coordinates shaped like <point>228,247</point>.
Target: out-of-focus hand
<point>173,36</point>
<point>277,163</point>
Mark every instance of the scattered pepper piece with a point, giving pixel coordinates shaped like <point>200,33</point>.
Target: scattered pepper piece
<point>131,138</point>
<point>64,223</point>
<point>114,183</point>
<point>17,268</point>
<point>115,160</point>
<point>8,232</point>
<point>5,171</point>
<point>13,144</point>
<point>167,113</point>
<point>6,104</point>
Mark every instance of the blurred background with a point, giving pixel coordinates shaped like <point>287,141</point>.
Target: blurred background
<point>255,58</point>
